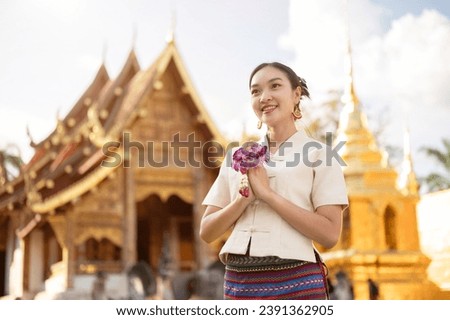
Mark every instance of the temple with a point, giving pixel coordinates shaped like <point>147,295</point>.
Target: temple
<point>119,181</point>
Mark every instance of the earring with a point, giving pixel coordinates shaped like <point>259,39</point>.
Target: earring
<point>259,125</point>
<point>297,113</point>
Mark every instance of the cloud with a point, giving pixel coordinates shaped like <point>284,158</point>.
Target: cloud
<point>401,68</point>
<point>418,51</point>
<point>407,69</point>
<point>318,36</point>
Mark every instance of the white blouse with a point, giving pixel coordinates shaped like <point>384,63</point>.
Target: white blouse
<point>304,172</point>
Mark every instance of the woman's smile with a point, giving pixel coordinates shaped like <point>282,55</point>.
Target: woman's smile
<point>268,109</point>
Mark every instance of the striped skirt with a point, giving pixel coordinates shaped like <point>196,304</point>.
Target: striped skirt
<point>288,279</point>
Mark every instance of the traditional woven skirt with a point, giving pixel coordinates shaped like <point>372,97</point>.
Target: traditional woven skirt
<point>273,278</point>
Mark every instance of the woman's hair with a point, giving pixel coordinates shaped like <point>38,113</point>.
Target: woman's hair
<point>295,80</point>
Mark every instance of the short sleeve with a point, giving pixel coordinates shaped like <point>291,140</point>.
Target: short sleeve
<point>328,183</point>
<point>219,194</point>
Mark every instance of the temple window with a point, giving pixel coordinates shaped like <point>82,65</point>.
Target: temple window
<point>94,250</point>
<point>390,228</point>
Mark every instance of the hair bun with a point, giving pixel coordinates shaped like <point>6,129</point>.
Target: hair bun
<point>304,87</point>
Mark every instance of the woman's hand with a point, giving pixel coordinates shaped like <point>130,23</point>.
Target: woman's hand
<point>216,221</point>
<point>259,182</point>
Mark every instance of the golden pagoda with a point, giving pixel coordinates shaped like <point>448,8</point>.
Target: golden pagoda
<point>379,246</point>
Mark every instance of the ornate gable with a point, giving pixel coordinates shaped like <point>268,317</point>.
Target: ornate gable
<point>66,164</point>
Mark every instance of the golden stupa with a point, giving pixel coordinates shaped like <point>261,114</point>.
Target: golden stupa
<point>379,246</point>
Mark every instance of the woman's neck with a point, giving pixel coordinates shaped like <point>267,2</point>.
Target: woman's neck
<point>278,136</point>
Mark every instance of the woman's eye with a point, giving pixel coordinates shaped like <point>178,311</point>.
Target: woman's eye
<point>254,91</point>
<point>275,85</point>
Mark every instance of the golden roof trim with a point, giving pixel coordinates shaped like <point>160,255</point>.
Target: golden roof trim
<point>73,191</point>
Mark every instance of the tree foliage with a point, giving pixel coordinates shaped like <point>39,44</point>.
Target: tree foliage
<point>10,163</point>
<point>324,118</point>
<point>439,181</point>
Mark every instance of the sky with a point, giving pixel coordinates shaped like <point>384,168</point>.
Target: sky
<point>52,49</point>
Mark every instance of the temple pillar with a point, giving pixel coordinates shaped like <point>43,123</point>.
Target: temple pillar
<point>129,255</point>
<point>69,251</point>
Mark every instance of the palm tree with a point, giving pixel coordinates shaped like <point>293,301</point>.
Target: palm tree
<point>10,163</point>
<point>437,181</point>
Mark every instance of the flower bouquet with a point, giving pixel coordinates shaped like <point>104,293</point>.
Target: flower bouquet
<point>250,155</point>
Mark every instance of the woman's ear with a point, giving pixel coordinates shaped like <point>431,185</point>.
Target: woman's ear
<point>298,94</point>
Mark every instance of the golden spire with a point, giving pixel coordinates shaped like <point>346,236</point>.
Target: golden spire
<point>407,180</point>
<point>351,118</point>
<point>104,52</point>
<point>134,37</point>
<point>170,38</point>
<point>349,98</point>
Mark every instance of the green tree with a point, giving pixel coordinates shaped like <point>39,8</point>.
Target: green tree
<point>10,163</point>
<point>436,181</point>
<point>323,118</point>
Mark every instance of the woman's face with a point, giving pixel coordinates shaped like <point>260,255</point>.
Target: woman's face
<point>273,98</point>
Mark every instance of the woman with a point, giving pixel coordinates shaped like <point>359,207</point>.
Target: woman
<point>295,199</point>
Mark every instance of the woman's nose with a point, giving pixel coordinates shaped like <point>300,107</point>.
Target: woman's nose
<point>265,96</point>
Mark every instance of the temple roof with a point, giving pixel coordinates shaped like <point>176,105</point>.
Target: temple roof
<point>66,164</point>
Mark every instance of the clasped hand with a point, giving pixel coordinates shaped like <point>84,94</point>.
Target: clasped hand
<point>259,182</point>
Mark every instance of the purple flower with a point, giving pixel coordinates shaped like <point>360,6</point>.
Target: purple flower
<point>250,155</point>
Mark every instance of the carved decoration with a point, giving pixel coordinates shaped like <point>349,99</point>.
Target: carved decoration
<point>118,91</point>
<point>9,188</point>
<point>50,184</point>
<point>158,85</point>
<point>58,224</point>
<point>87,101</point>
<point>68,169</point>
<point>99,232</point>
<point>71,122</point>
